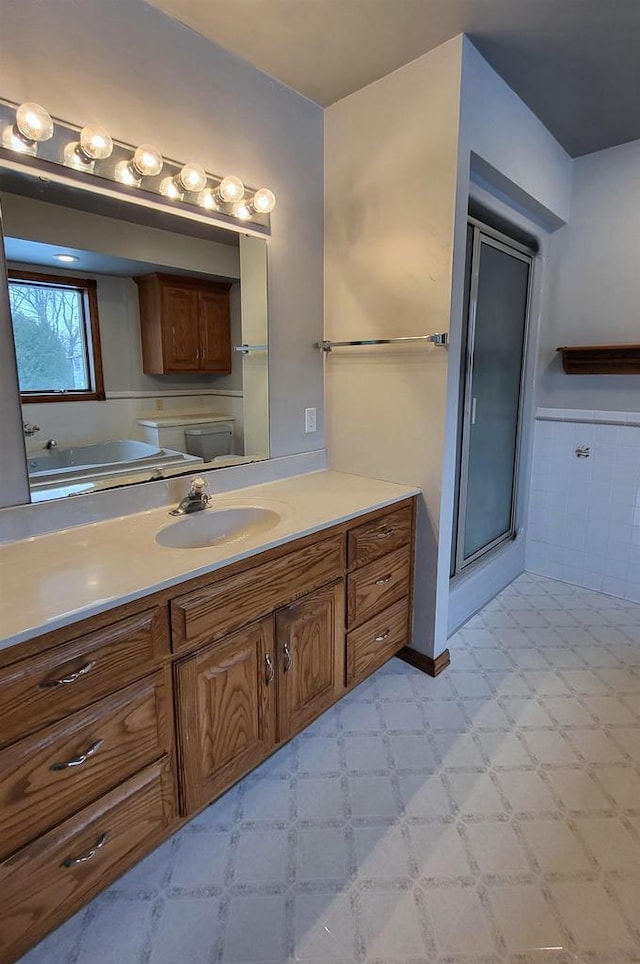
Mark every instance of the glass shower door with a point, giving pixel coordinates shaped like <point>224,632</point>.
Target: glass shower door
<point>497,326</point>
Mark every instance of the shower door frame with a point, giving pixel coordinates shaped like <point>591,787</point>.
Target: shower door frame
<point>484,234</point>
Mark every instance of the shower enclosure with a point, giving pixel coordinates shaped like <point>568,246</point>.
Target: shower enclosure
<point>498,286</point>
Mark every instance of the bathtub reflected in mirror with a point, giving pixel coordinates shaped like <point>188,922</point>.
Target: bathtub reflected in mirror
<point>134,401</point>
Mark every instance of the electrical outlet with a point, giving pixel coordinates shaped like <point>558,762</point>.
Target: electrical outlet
<point>310,419</point>
<point>159,404</point>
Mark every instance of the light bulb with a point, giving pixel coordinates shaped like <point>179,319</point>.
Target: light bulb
<point>14,141</point>
<point>74,157</point>
<point>207,199</point>
<point>230,189</point>
<point>125,175</point>
<point>170,189</point>
<point>192,177</point>
<point>147,160</point>
<point>263,201</point>
<point>96,142</point>
<point>34,122</point>
<point>241,211</point>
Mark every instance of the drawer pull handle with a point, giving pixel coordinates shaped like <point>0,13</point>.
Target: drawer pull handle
<point>288,658</point>
<point>385,534</point>
<point>71,678</point>
<point>384,580</point>
<point>74,861</point>
<point>78,760</point>
<point>270,674</point>
<point>383,636</point>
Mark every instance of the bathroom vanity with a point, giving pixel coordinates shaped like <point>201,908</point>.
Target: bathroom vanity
<point>137,711</point>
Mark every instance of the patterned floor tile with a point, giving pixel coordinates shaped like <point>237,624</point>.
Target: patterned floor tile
<point>489,816</point>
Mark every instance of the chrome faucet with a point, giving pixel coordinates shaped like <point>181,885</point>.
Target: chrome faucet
<point>30,429</point>
<point>50,444</point>
<point>195,500</point>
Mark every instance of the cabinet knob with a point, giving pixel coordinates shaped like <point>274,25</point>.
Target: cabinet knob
<point>383,636</point>
<point>384,580</point>
<point>385,534</point>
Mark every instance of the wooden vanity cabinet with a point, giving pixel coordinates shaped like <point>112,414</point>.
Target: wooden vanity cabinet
<point>87,772</point>
<point>379,590</point>
<point>118,729</point>
<point>185,325</point>
<point>242,695</point>
<point>226,712</point>
<point>311,657</point>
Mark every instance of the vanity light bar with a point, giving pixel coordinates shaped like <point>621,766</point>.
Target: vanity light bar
<point>28,129</point>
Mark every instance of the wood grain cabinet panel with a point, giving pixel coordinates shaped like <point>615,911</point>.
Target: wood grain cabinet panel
<point>185,324</point>
<point>46,777</point>
<point>310,640</point>
<point>46,881</point>
<point>373,643</point>
<point>46,688</point>
<point>377,585</point>
<point>214,611</point>
<point>373,539</point>
<point>226,707</point>
<point>215,330</point>
<point>179,328</point>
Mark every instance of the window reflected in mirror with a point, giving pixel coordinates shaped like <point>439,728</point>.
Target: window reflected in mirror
<point>56,332</point>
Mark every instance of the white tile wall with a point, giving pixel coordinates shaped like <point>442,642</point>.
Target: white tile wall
<point>584,513</point>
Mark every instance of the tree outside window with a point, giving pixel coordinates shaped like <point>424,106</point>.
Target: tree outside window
<point>56,334</point>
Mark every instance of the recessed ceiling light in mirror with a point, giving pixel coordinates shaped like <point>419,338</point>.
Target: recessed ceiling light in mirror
<point>65,258</point>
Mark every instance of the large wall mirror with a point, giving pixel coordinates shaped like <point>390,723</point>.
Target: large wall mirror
<point>140,336</point>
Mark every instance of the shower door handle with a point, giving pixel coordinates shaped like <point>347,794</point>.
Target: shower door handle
<point>473,410</point>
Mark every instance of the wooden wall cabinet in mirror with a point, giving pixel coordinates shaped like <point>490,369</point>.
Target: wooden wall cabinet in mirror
<point>185,325</point>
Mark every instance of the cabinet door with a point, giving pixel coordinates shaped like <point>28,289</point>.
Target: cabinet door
<point>310,640</point>
<point>226,712</point>
<point>180,331</point>
<point>215,334</point>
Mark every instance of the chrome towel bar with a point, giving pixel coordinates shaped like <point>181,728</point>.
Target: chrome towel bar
<point>440,338</point>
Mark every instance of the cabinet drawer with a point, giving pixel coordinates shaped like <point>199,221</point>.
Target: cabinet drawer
<point>48,776</point>
<point>372,644</point>
<point>207,614</point>
<point>48,880</point>
<point>374,539</point>
<point>377,585</point>
<point>46,688</point>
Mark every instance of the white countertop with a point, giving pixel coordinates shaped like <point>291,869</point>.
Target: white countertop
<point>54,580</point>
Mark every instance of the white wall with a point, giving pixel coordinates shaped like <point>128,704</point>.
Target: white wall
<point>584,517</point>
<point>390,183</point>
<point>524,176</point>
<point>148,78</point>
<point>594,296</point>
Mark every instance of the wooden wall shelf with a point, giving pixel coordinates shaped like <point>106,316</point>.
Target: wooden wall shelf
<point>601,359</point>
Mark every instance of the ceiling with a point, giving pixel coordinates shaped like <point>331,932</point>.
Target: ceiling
<point>576,63</point>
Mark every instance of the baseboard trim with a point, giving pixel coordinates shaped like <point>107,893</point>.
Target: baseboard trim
<point>432,667</point>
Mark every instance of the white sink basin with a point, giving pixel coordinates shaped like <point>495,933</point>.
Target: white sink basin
<point>216,527</point>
